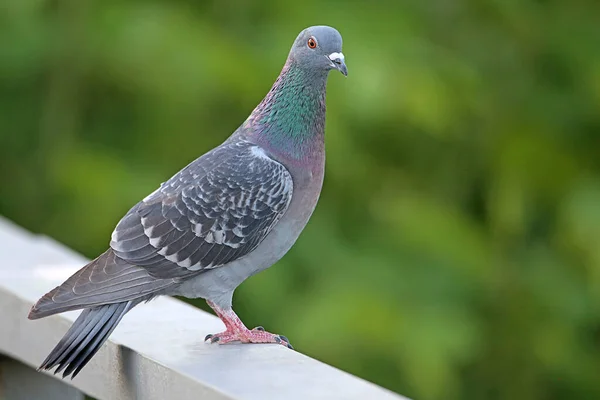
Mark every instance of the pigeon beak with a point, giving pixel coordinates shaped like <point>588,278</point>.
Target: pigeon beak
<point>337,59</point>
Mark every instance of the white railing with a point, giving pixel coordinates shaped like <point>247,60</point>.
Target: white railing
<point>156,352</point>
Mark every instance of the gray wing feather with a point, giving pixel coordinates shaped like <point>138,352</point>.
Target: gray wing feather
<point>107,279</point>
<point>216,210</point>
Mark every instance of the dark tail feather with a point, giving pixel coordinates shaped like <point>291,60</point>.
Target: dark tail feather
<point>85,337</point>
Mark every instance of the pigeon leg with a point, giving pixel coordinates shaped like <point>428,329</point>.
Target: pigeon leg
<point>236,331</point>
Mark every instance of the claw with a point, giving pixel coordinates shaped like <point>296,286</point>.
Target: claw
<point>259,328</point>
<point>209,336</point>
<point>286,340</point>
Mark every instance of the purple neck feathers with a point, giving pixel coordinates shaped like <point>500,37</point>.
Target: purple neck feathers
<point>290,121</point>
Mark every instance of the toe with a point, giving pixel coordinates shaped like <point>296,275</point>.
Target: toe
<point>284,340</point>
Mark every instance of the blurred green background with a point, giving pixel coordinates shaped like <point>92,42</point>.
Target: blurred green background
<point>455,252</point>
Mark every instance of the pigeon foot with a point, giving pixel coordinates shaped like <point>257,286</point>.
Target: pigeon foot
<point>248,336</point>
<point>237,332</point>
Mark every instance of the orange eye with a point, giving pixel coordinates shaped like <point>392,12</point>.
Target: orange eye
<point>312,43</point>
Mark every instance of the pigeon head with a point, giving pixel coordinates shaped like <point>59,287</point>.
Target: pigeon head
<point>290,121</point>
<point>319,48</point>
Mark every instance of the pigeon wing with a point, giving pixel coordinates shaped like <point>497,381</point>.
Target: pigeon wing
<point>216,210</point>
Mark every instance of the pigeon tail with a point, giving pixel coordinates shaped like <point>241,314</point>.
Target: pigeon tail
<point>84,338</point>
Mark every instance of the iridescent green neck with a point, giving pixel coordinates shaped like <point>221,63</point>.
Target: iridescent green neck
<point>291,118</point>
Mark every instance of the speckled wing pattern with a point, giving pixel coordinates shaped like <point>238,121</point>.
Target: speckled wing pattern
<point>214,211</point>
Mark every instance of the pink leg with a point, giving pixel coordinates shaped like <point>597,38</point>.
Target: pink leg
<point>236,331</point>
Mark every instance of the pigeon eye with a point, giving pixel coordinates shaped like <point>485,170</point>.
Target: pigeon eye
<point>312,43</point>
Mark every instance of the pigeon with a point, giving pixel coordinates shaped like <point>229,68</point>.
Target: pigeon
<point>228,215</point>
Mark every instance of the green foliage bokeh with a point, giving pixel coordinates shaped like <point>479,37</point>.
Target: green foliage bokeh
<point>455,252</point>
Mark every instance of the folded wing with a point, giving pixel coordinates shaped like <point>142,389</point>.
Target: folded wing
<point>216,210</point>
